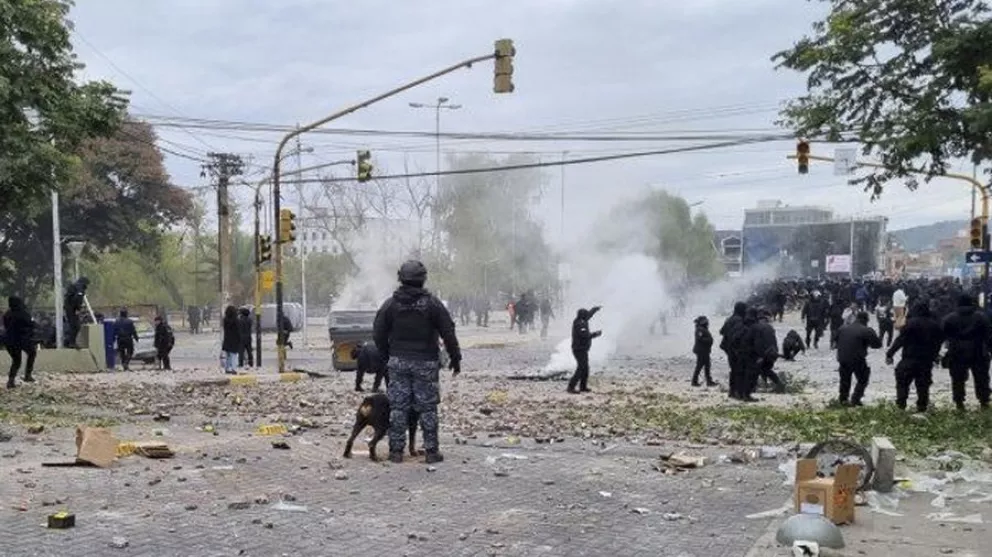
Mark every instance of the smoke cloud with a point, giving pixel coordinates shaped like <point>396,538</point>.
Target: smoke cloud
<point>378,250</point>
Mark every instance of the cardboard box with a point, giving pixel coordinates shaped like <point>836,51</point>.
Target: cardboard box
<point>96,446</point>
<point>833,497</point>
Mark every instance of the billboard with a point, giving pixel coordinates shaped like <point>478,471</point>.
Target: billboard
<point>838,264</point>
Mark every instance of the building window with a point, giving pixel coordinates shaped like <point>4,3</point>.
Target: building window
<point>323,236</point>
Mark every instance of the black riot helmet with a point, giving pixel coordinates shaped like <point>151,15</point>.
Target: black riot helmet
<point>412,273</point>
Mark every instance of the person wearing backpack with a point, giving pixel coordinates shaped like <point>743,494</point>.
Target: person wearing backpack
<point>164,341</point>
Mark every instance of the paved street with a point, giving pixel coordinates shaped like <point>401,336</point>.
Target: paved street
<point>499,492</point>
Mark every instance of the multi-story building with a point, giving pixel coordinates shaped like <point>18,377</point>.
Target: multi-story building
<point>798,239</point>
<point>728,245</point>
<point>321,232</point>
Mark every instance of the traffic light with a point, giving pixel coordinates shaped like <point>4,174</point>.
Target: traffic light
<point>264,248</point>
<point>364,166</point>
<point>287,226</point>
<point>503,78</point>
<point>802,156</point>
<point>976,235</point>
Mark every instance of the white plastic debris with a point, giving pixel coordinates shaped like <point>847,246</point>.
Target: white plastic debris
<point>788,468</point>
<point>883,503</point>
<point>781,511</point>
<point>951,517</point>
<point>939,502</point>
<point>284,506</point>
<point>606,494</point>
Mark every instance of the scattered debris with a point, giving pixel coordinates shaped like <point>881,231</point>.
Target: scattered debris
<point>36,429</point>
<point>160,417</point>
<point>61,520</point>
<point>96,446</point>
<point>781,511</point>
<point>284,506</point>
<point>810,527</point>
<point>119,542</point>
<point>414,536</point>
<point>340,475</point>
<point>640,510</point>
<point>239,505</point>
<point>681,462</point>
<point>280,445</point>
<point>953,518</point>
<point>672,517</point>
<point>606,494</point>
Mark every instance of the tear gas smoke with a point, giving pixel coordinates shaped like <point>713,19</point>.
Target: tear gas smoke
<point>631,288</point>
<point>378,251</point>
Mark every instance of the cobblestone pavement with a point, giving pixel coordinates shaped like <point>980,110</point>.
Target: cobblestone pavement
<point>573,498</point>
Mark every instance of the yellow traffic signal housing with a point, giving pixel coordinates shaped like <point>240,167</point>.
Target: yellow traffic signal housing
<point>364,159</point>
<point>503,75</point>
<point>976,235</point>
<point>287,226</point>
<point>802,156</point>
<point>264,248</point>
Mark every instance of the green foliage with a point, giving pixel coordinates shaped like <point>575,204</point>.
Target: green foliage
<point>40,101</point>
<point>493,241</point>
<point>661,225</point>
<point>909,79</point>
<point>941,428</point>
<point>119,197</point>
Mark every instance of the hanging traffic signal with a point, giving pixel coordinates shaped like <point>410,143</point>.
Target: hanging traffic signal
<point>976,234</point>
<point>503,77</point>
<point>287,226</point>
<point>802,156</point>
<point>264,248</point>
<point>364,166</point>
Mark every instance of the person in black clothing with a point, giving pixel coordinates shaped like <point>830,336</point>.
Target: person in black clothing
<point>731,334</point>
<point>19,338</point>
<point>407,331</point>
<point>547,314</point>
<point>581,343</point>
<point>245,327</point>
<point>282,338</point>
<point>778,304</point>
<point>766,348</point>
<point>75,297</point>
<point>792,345</point>
<point>126,335</point>
<point>164,341</point>
<point>814,313</point>
<point>230,343</point>
<point>836,317</point>
<point>702,348</point>
<point>853,342</point>
<point>967,332</point>
<point>746,353</point>
<point>369,362</point>
<point>887,321</point>
<point>920,342</point>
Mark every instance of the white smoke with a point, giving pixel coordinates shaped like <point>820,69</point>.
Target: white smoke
<point>378,251</point>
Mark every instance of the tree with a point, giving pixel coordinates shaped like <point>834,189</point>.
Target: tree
<point>661,225</point>
<point>491,240</point>
<point>910,79</point>
<point>117,197</point>
<point>40,102</point>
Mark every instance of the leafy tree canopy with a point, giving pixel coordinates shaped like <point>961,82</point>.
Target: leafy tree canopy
<point>661,225</point>
<point>41,102</point>
<point>118,196</point>
<point>910,79</point>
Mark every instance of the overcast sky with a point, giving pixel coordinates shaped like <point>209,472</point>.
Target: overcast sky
<point>582,65</point>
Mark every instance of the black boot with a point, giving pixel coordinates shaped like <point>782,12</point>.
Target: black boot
<point>396,458</point>
<point>434,457</point>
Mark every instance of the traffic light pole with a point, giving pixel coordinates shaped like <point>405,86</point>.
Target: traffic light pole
<point>258,275</point>
<point>977,185</point>
<point>277,161</point>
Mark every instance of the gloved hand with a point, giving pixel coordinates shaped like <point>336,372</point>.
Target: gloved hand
<point>596,308</point>
<point>456,367</point>
<point>888,360</point>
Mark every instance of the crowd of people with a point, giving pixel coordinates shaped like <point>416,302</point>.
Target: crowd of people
<point>918,318</point>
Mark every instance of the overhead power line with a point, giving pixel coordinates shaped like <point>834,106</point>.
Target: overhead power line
<point>566,162</point>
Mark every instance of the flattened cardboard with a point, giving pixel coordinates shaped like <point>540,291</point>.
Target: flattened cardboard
<point>96,446</point>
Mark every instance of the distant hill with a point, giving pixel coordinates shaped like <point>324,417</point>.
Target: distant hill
<point>920,238</point>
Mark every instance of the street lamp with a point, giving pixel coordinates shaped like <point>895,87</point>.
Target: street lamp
<point>76,248</point>
<point>442,102</point>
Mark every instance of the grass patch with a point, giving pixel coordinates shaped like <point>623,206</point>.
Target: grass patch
<point>943,428</point>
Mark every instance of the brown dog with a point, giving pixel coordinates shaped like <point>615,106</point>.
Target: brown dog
<point>374,411</point>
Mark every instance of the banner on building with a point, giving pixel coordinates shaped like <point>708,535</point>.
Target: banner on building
<point>838,264</point>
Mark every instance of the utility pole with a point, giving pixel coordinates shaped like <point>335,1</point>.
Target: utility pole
<point>224,166</point>
<point>562,232</point>
<point>298,151</point>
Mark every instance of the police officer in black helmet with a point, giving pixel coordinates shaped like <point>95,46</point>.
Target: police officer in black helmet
<point>406,331</point>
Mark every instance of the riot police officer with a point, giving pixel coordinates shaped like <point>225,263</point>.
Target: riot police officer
<point>406,332</point>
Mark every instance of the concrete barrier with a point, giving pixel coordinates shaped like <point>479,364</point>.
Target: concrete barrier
<point>89,358</point>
